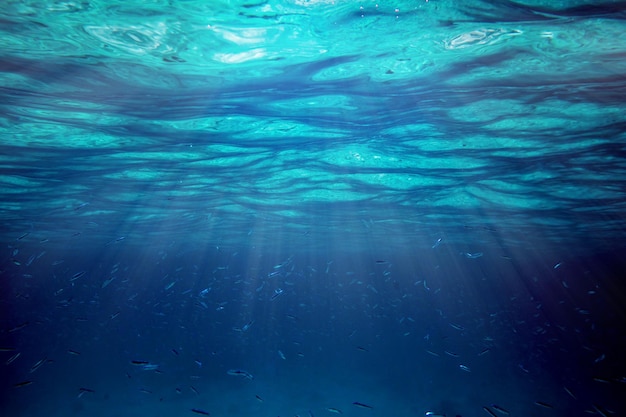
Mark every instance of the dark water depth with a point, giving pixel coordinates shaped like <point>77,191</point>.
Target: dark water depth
<point>312,208</point>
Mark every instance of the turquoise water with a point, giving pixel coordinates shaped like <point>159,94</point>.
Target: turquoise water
<point>421,180</point>
<point>419,120</point>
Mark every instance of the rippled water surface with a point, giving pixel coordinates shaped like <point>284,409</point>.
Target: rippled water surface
<point>287,118</point>
<point>382,191</point>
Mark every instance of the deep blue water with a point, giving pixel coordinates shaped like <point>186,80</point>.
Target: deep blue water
<point>312,208</point>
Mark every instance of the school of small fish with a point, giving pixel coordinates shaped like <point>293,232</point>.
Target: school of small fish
<point>447,338</point>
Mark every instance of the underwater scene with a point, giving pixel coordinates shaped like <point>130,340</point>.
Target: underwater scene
<point>312,208</point>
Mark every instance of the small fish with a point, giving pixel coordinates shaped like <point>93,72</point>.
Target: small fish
<point>37,365</point>
<point>259,398</point>
<point>82,389</point>
<point>358,404</point>
<point>569,392</point>
<point>12,358</point>
<point>239,372</point>
<point>600,410</point>
<point>334,410</point>
<point>18,327</point>
<point>195,391</point>
<point>77,275</point>
<point>277,292</point>
<point>457,326</point>
<point>22,384</point>
<point>488,411</point>
<point>465,368</point>
<point>433,414</point>
<point>543,404</point>
<point>437,243</point>
<point>73,352</point>
<point>500,409</point>
<point>473,255</point>
<point>139,362</point>
<point>107,282</point>
<point>282,355</point>
<point>119,239</point>
<point>484,351</point>
<point>557,265</point>
<point>199,411</point>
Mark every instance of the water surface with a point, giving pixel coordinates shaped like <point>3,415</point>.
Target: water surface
<point>417,206</point>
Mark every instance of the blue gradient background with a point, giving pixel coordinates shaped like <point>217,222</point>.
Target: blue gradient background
<point>348,200</point>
